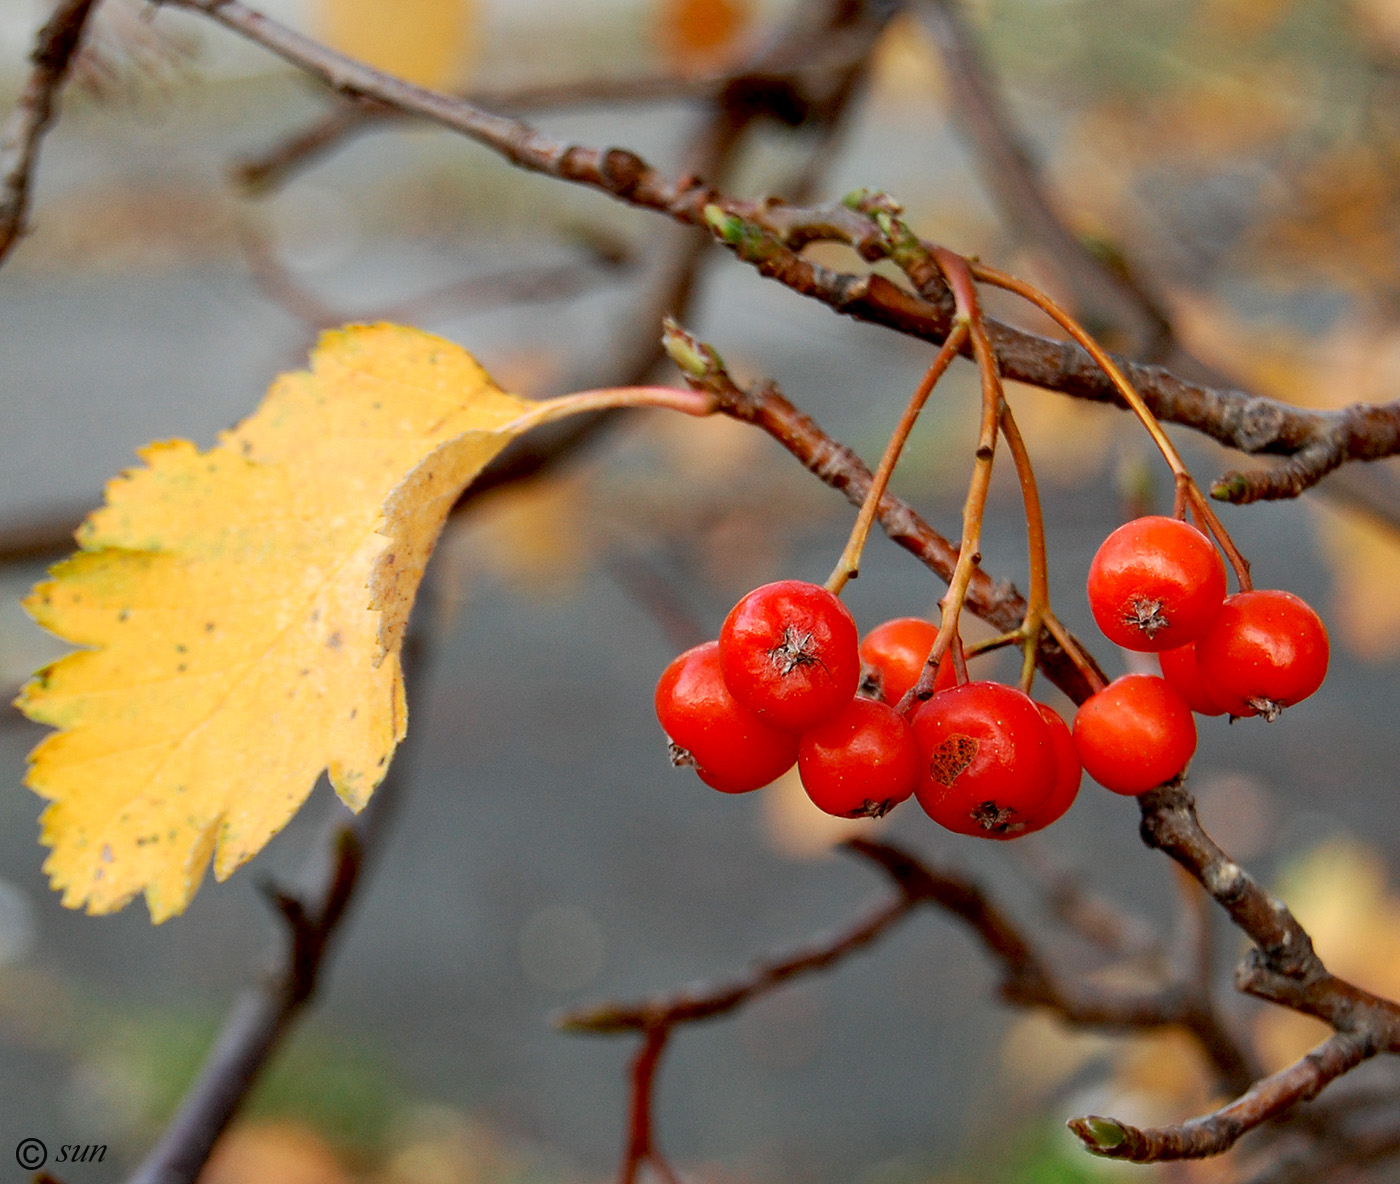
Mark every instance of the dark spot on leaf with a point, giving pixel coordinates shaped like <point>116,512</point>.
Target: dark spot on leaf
<point>107,855</point>
<point>354,711</point>
<point>180,669</point>
<point>179,649</point>
<point>122,616</point>
<point>208,626</point>
<point>334,641</point>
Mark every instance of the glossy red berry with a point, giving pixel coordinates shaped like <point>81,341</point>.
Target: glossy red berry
<point>729,746</point>
<point>1135,734</point>
<point>987,761</point>
<point>1265,651</point>
<point>789,653</point>
<point>861,763</point>
<point>1155,584</point>
<point>894,654</point>
<point>1068,774</point>
<point>1183,671</point>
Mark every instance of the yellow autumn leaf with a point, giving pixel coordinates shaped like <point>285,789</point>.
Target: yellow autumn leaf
<point>243,610</point>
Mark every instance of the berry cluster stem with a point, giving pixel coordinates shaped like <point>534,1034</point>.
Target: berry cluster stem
<point>690,402</point>
<point>848,565</point>
<point>1038,594</point>
<point>1185,484</point>
<point>967,315</point>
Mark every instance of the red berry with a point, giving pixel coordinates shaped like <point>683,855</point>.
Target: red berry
<point>1265,651</point>
<point>1155,584</point>
<point>789,653</point>
<point>987,759</point>
<point>896,652</point>
<point>731,748</point>
<point>1068,774</point>
<point>1135,734</point>
<point>861,763</point>
<point>1183,671</point>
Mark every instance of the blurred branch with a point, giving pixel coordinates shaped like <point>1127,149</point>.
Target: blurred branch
<point>1110,296</point>
<point>655,1018</point>
<point>706,1001</point>
<point>1070,901</point>
<point>52,58</point>
<point>518,286</point>
<point>1029,980</point>
<point>351,115</point>
<point>641,1129</point>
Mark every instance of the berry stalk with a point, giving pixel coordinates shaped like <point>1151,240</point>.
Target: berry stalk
<point>968,315</point>
<point>848,565</point>
<point>1186,486</point>
<point>690,402</point>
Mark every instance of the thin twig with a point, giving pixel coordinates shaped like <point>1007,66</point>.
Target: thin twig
<point>709,1001</point>
<point>52,57</point>
<point>778,85</point>
<point>1217,1132</point>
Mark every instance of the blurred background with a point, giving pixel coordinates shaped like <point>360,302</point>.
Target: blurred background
<point>1234,160</point>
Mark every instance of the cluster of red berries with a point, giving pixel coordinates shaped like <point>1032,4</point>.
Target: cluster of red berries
<point>788,681</point>
<point>1157,585</point>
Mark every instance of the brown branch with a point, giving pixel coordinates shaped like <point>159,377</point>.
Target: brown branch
<point>1283,966</point>
<point>779,87</point>
<point>1232,417</point>
<point>1218,1131</point>
<point>641,1129</point>
<point>1029,979</point>
<point>693,1004</point>
<point>52,57</point>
